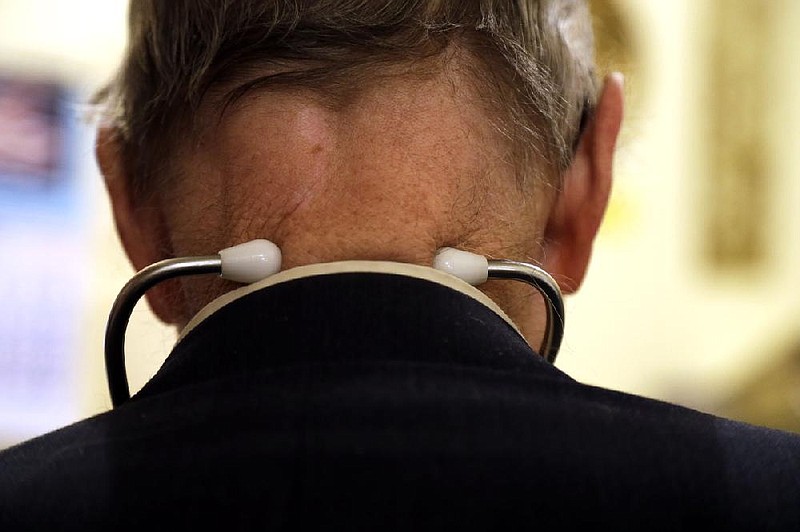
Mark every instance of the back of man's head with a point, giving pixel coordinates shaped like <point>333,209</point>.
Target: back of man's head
<point>351,129</point>
<point>530,60</point>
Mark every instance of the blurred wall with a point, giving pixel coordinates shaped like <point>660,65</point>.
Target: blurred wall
<point>661,314</point>
<point>668,310</point>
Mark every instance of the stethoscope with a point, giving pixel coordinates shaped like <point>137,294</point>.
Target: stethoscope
<point>258,259</point>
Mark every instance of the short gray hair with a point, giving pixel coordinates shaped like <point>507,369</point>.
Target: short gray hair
<point>533,59</point>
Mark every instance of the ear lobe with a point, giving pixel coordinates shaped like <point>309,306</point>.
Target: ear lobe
<point>581,203</point>
<point>141,228</point>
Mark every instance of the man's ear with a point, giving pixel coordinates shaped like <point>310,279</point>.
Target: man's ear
<point>581,203</point>
<point>140,224</point>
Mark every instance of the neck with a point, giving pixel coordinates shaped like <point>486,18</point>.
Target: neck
<point>407,168</point>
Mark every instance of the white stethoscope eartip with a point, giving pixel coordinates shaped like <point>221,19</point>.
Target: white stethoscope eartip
<point>258,259</point>
<point>251,261</point>
<point>469,267</point>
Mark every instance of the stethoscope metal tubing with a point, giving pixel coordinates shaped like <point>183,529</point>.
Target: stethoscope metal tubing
<point>170,268</point>
<point>551,293</point>
<point>123,307</point>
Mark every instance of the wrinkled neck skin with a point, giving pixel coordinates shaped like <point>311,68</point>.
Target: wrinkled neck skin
<point>403,168</point>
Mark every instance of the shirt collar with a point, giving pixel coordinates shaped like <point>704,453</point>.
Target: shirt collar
<point>352,266</point>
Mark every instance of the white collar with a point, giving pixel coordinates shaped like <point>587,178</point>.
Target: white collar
<point>352,266</point>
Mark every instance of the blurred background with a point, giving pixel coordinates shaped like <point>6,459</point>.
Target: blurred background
<point>694,293</point>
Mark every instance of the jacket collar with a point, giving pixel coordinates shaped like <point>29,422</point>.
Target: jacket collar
<point>347,312</point>
<point>353,266</point>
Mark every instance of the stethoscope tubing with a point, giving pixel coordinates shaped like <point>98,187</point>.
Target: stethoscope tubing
<point>550,292</point>
<point>123,307</point>
<point>147,278</point>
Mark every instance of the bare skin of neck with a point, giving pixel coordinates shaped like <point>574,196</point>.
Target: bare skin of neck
<point>410,165</point>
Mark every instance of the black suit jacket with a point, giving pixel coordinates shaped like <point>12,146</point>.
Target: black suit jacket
<point>364,401</point>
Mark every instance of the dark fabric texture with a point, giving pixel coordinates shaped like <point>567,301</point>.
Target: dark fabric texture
<point>383,402</point>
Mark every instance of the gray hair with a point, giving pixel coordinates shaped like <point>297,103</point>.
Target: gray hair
<point>533,61</point>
